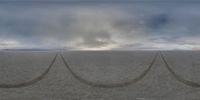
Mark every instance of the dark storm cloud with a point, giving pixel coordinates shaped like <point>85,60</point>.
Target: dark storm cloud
<point>158,21</point>
<point>100,27</point>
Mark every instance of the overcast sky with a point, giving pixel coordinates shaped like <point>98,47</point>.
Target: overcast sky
<point>100,26</point>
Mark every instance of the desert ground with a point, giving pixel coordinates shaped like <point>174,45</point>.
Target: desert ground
<point>100,75</point>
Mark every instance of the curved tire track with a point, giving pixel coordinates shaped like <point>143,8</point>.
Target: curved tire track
<point>113,85</point>
<point>178,77</point>
<point>35,80</point>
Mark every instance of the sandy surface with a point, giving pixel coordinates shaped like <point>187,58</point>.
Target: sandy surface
<point>101,68</point>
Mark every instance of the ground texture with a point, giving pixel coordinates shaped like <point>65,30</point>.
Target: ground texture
<point>105,75</point>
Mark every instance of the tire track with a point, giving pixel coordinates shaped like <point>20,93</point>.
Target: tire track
<point>113,85</point>
<point>178,77</point>
<point>33,81</point>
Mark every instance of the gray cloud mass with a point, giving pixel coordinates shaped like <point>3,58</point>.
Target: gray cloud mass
<point>101,26</point>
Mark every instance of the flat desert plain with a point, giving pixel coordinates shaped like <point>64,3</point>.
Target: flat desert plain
<point>100,75</point>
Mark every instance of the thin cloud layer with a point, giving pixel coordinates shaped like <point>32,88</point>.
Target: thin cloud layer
<point>100,26</point>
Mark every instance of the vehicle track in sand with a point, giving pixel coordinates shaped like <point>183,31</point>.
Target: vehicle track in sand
<point>176,76</point>
<point>33,81</point>
<point>113,85</point>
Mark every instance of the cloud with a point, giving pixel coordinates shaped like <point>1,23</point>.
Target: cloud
<point>8,44</point>
<point>101,26</point>
<point>158,21</point>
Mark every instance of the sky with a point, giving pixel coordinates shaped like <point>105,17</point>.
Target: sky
<point>95,25</point>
